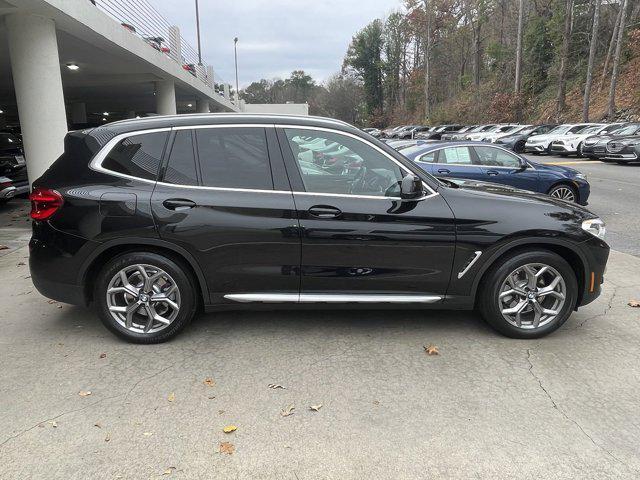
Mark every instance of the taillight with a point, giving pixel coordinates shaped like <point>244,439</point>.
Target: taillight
<point>44,203</point>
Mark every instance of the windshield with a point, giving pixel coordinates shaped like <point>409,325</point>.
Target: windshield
<point>560,129</point>
<point>628,130</point>
<point>9,140</point>
<point>594,129</point>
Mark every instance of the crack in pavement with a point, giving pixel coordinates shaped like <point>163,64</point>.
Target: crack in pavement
<point>607,309</point>
<point>567,417</point>
<point>26,430</point>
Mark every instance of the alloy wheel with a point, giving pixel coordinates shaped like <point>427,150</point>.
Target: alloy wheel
<point>532,296</point>
<point>143,298</point>
<point>564,193</point>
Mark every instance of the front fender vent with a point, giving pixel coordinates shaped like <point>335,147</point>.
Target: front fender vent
<point>472,259</point>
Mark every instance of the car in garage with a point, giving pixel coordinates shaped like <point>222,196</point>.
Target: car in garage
<point>156,219</point>
<point>542,143</point>
<point>516,141</point>
<point>491,163</point>
<point>572,143</point>
<point>595,145</point>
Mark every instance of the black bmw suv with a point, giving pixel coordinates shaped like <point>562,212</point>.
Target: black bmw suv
<point>153,220</point>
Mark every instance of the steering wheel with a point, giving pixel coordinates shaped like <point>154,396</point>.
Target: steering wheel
<point>357,185</point>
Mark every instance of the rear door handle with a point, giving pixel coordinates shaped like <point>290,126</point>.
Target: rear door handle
<point>324,211</point>
<point>444,170</point>
<point>178,204</point>
<point>492,172</point>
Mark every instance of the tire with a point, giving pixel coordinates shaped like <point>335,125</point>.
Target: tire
<point>548,149</point>
<point>169,273</point>
<point>519,147</point>
<point>563,192</point>
<point>495,282</point>
<point>579,150</point>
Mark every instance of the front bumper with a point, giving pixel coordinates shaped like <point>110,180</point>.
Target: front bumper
<point>564,149</point>
<point>540,148</point>
<point>621,157</point>
<point>8,193</point>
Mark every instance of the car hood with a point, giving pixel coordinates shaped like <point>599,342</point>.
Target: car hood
<point>541,167</point>
<point>514,194</point>
<point>544,138</point>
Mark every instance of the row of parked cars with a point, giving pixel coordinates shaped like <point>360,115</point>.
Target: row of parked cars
<point>13,168</point>
<point>609,142</point>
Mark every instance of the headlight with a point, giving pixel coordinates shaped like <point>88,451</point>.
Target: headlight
<point>595,227</point>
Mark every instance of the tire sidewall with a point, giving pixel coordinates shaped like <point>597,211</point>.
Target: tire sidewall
<point>178,273</point>
<point>489,305</point>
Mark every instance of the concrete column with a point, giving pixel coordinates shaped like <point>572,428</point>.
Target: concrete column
<point>202,106</point>
<point>175,44</point>
<point>227,95</point>
<point>165,97</point>
<point>210,77</point>
<point>35,66</point>
<point>78,112</point>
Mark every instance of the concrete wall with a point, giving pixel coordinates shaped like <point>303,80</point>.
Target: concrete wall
<point>283,108</point>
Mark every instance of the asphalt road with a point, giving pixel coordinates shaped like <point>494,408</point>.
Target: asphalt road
<point>615,197</point>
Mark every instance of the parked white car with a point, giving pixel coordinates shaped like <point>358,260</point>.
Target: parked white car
<point>573,143</point>
<point>513,130</point>
<point>542,143</point>
<point>497,130</point>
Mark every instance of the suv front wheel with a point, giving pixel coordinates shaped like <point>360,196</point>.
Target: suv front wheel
<point>145,297</point>
<point>529,295</point>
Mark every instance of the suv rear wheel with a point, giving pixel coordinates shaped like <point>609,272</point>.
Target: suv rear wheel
<point>529,295</point>
<point>145,297</point>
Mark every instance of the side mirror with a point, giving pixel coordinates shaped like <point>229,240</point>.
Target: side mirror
<point>523,164</point>
<point>411,187</point>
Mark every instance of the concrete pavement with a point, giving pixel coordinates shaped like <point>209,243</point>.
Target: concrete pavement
<point>487,407</point>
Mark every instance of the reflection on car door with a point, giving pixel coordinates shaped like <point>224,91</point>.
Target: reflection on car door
<point>500,166</point>
<point>457,162</point>
<point>358,238</point>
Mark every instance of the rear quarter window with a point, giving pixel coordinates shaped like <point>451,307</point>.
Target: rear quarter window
<point>138,155</point>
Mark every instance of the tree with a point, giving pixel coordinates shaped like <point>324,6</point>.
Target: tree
<point>611,108</point>
<point>518,82</point>
<point>364,57</point>
<point>592,55</point>
<point>341,97</point>
<point>612,45</point>
<point>564,58</point>
<point>427,60</point>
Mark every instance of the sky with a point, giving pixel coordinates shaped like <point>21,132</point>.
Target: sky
<point>275,36</point>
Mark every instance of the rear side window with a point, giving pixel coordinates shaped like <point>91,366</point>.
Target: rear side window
<point>181,168</point>
<point>235,157</point>
<point>137,155</point>
<point>455,156</point>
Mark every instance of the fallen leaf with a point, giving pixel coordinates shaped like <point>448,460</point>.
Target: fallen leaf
<point>376,402</point>
<point>103,355</point>
<point>209,382</point>
<point>20,264</point>
<point>54,424</point>
<point>220,412</point>
<point>634,303</point>
<point>3,247</point>
<point>59,306</point>
<point>168,471</point>
<point>229,429</point>
<point>288,410</point>
<point>147,434</point>
<point>84,393</point>
<point>226,447</point>
<point>431,350</point>
<point>107,438</point>
<point>315,408</point>
<point>97,424</point>
<point>275,386</point>
<point>51,301</point>
<point>211,397</point>
<point>172,397</point>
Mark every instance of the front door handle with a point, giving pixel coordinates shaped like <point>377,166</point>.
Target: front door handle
<point>444,170</point>
<point>178,204</point>
<point>324,211</point>
<point>492,172</point>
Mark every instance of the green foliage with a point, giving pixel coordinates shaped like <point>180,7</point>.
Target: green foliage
<point>538,53</point>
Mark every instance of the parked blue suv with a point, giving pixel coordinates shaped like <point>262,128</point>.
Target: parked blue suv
<point>490,163</point>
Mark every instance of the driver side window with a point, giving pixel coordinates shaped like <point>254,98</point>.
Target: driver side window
<point>334,163</point>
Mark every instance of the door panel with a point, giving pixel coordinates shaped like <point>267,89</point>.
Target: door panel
<point>500,166</point>
<point>363,239</point>
<point>245,240</point>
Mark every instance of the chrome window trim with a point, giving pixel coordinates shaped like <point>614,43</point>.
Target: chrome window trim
<point>96,162</point>
<point>267,297</point>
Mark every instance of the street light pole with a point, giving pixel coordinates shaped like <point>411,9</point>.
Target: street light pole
<point>198,33</point>
<point>235,55</point>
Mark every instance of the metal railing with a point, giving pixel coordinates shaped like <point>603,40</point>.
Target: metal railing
<point>143,20</point>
